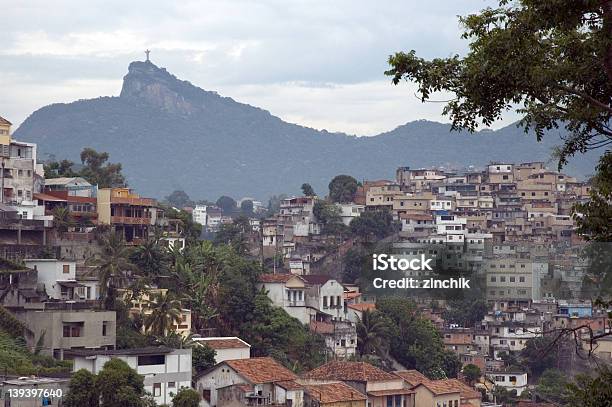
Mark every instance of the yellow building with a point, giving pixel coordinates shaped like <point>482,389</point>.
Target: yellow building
<point>141,305</point>
<point>5,136</point>
<point>127,212</point>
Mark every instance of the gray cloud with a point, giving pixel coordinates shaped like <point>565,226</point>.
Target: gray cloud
<point>319,63</point>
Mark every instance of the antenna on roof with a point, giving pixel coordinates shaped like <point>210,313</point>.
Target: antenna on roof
<point>147,52</point>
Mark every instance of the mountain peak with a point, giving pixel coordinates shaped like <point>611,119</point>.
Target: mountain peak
<point>146,82</point>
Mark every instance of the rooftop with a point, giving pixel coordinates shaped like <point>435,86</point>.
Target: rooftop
<point>261,370</point>
<point>151,350</point>
<point>333,393</point>
<point>228,342</point>
<point>276,278</point>
<point>412,377</point>
<point>352,371</point>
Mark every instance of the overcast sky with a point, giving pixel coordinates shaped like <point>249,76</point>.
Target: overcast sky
<point>316,63</point>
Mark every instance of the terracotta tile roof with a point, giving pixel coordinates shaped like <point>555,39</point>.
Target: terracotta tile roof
<point>223,343</point>
<point>458,339</point>
<point>289,385</point>
<point>416,216</point>
<point>390,392</point>
<point>466,391</point>
<point>4,121</point>
<point>351,294</point>
<point>412,377</point>
<point>316,279</point>
<point>363,306</point>
<point>333,393</point>
<point>353,371</point>
<point>275,278</point>
<point>438,387</point>
<point>261,370</point>
<point>321,327</point>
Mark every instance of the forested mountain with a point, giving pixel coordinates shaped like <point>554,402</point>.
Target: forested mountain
<point>170,134</point>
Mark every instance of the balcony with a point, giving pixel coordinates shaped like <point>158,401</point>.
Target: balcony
<point>133,201</point>
<point>126,220</point>
<point>296,303</point>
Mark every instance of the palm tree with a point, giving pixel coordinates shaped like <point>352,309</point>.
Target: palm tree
<point>165,311</point>
<point>112,266</point>
<point>149,257</point>
<point>62,219</point>
<point>372,333</point>
<point>199,299</point>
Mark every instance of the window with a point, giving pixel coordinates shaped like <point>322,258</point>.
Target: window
<point>171,385</point>
<point>73,330</point>
<point>493,279</point>
<point>105,328</point>
<point>156,389</point>
<point>512,279</point>
<point>521,279</point>
<point>66,268</point>
<point>389,401</point>
<point>148,360</point>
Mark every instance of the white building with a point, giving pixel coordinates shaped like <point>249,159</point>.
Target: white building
<point>350,211</point>
<point>199,214</point>
<point>226,348</point>
<point>509,380</point>
<point>165,370</point>
<point>58,278</point>
<point>254,381</point>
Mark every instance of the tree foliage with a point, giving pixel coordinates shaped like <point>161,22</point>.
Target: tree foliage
<point>342,188</point>
<point>246,207</point>
<point>186,397</point>
<point>307,190</point>
<point>82,390</point>
<point>594,217</point>
<point>203,358</point>
<point>471,372</point>
<point>415,342</point>
<point>551,58</point>
<point>96,170</point>
<point>165,312</point>
<point>592,390</point>
<point>112,266</point>
<point>227,204</point>
<point>373,331</point>
<point>552,386</point>
<point>328,215</point>
<point>465,312</point>
<point>179,199</point>
<point>373,224</point>
<point>120,385</point>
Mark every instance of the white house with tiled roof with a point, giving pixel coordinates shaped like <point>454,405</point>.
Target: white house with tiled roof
<point>254,381</point>
<point>226,347</point>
